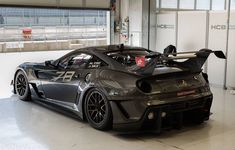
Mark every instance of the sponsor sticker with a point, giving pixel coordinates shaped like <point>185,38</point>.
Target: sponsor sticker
<point>140,61</point>
<point>183,93</point>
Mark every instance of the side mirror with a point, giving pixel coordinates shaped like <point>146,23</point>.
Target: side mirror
<point>49,63</point>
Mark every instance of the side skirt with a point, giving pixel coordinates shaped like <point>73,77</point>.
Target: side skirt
<point>70,106</point>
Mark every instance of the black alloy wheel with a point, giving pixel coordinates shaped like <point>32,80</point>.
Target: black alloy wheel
<point>98,111</point>
<point>22,87</point>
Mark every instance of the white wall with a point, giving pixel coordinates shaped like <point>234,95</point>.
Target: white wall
<point>231,53</point>
<point>135,16</point>
<point>138,17</point>
<point>191,30</point>
<point>217,41</point>
<point>165,30</point>
<point>9,62</point>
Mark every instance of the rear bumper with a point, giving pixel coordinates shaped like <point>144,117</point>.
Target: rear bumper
<point>173,115</point>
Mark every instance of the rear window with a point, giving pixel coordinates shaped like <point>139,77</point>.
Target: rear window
<point>130,58</point>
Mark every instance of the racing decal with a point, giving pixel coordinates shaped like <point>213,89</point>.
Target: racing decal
<point>94,64</point>
<point>183,93</point>
<point>66,76</point>
<point>140,61</point>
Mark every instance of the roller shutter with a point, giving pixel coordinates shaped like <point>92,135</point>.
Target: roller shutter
<point>95,4</point>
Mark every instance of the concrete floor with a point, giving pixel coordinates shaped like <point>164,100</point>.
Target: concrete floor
<point>30,126</point>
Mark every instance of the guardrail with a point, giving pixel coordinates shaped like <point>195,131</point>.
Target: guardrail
<point>10,34</point>
<point>37,38</point>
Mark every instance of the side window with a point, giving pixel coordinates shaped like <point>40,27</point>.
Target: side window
<point>78,61</point>
<point>96,62</point>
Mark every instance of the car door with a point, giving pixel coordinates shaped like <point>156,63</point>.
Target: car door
<point>61,82</point>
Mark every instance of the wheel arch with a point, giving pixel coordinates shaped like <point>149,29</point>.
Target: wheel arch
<point>83,101</point>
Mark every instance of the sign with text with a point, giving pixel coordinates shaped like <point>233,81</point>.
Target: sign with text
<point>14,45</point>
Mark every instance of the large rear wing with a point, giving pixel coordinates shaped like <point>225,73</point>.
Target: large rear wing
<point>194,60</point>
<point>194,54</point>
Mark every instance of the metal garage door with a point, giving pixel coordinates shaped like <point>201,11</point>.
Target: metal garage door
<point>97,4</point>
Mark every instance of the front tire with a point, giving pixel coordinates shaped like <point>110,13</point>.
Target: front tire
<point>22,86</point>
<point>97,110</point>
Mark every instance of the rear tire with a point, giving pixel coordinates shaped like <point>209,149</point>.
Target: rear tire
<point>22,86</point>
<point>97,110</point>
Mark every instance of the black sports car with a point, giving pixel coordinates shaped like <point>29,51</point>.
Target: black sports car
<point>123,87</point>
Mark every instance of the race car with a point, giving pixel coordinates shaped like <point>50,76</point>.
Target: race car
<point>122,87</point>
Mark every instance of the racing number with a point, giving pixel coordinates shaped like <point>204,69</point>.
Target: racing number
<point>65,76</point>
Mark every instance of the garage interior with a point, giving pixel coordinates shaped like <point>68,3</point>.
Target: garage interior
<point>35,31</point>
